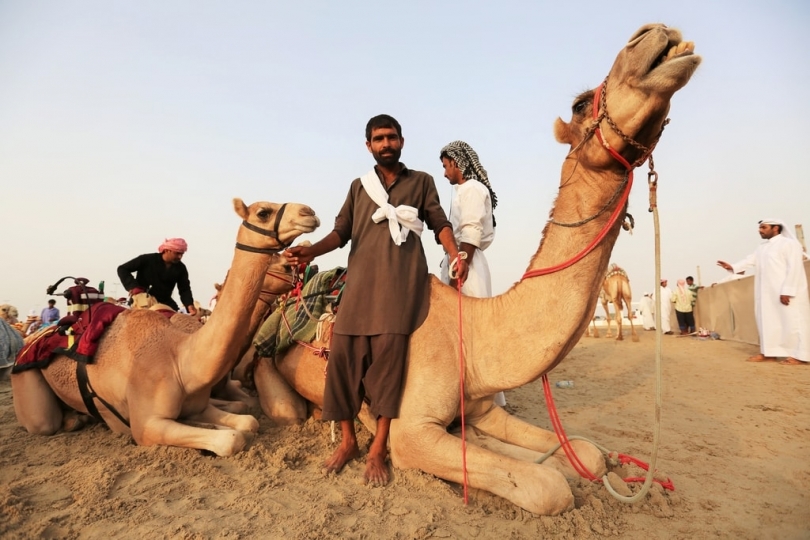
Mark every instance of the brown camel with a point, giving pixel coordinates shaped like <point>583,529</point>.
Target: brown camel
<point>616,288</point>
<point>158,377</point>
<point>502,346</point>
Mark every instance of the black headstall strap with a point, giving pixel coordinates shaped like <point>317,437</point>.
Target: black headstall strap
<point>271,233</point>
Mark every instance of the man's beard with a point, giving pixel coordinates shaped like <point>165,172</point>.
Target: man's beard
<point>387,160</point>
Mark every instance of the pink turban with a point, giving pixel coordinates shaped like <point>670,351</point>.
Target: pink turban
<point>173,244</point>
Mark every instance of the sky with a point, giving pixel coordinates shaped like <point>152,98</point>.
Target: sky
<point>124,123</point>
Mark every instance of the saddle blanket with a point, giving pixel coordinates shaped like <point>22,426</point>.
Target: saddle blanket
<point>274,337</point>
<point>87,330</point>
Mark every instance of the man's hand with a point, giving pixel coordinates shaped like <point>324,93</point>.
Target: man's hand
<point>784,299</point>
<point>299,255</point>
<point>192,310</point>
<point>724,264</point>
<point>459,269</point>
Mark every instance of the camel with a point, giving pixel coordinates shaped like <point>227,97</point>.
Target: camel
<point>616,289</point>
<point>502,346</point>
<point>155,379</point>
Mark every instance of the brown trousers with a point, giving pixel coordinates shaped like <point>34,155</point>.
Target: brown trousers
<point>370,367</point>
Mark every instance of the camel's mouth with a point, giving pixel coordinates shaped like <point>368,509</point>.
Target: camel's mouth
<point>673,52</point>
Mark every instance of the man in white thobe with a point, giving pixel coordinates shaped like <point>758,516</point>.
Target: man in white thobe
<point>781,301</point>
<point>646,309</point>
<point>472,220</point>
<point>666,307</point>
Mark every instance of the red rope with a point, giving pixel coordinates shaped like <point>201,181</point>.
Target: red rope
<point>461,391</point>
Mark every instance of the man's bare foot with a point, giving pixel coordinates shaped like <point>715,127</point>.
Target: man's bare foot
<point>790,361</point>
<point>376,470</point>
<point>761,358</point>
<point>341,457</point>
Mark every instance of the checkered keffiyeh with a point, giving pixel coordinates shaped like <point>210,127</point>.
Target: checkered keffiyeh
<point>471,168</point>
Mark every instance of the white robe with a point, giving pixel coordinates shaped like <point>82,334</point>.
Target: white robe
<point>471,217</point>
<point>647,318</point>
<point>783,330</point>
<point>666,309</point>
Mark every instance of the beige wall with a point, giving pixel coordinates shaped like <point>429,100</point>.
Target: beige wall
<point>728,309</point>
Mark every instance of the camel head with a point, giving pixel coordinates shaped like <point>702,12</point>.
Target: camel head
<point>270,227</point>
<point>648,71</point>
<point>9,313</point>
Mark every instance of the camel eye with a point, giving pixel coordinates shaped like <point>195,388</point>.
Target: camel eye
<point>263,214</point>
<point>580,106</point>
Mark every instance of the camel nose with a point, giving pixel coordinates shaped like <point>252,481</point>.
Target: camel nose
<point>306,211</point>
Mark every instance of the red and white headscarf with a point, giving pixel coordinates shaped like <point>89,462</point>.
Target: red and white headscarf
<point>173,244</point>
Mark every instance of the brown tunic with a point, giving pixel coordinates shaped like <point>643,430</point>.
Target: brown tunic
<point>386,286</point>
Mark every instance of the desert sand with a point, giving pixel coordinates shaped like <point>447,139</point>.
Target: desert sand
<point>735,440</point>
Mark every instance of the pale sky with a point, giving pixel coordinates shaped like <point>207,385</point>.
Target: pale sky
<point>123,123</point>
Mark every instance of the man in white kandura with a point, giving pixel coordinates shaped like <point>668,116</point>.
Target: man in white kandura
<point>472,220</point>
<point>666,306</point>
<point>781,301</point>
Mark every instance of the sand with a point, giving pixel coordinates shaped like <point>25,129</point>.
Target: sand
<point>735,440</point>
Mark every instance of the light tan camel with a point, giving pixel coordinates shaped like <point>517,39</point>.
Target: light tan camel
<point>616,289</point>
<point>159,377</point>
<point>502,345</point>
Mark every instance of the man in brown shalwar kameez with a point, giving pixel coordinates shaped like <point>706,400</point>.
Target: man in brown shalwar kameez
<point>385,297</point>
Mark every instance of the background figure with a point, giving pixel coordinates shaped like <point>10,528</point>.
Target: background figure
<point>50,315</point>
<point>694,287</point>
<point>781,302</point>
<point>472,220</point>
<point>158,274</point>
<point>647,313</point>
<point>666,307</point>
<point>684,299</point>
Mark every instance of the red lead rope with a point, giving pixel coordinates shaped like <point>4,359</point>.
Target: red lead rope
<point>461,391</point>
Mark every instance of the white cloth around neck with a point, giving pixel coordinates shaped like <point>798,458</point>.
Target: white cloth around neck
<point>401,220</point>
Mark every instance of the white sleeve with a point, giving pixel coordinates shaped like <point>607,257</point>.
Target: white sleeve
<point>471,202</point>
<point>792,251</point>
<point>745,264</point>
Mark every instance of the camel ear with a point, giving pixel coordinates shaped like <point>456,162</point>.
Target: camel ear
<point>562,131</point>
<point>240,208</point>
<point>217,286</point>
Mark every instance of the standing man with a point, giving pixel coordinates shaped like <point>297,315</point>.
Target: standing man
<point>646,309</point>
<point>684,299</point>
<point>157,275</point>
<point>49,315</point>
<point>472,220</point>
<point>781,301</point>
<point>666,307</point>
<point>385,297</point>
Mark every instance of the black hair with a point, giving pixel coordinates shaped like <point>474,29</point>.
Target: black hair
<point>690,277</point>
<point>382,121</point>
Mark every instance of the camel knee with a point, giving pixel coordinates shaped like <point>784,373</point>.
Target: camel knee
<point>42,426</point>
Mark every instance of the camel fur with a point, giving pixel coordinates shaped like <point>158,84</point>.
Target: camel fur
<point>160,377</point>
<point>502,346</point>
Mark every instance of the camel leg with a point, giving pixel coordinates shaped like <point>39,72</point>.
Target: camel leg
<point>427,446</point>
<point>35,404</point>
<point>278,400</point>
<point>163,431</point>
<point>233,407</point>
<point>501,425</point>
<point>619,335</point>
<point>595,329</point>
<point>214,415</point>
<point>632,327</point>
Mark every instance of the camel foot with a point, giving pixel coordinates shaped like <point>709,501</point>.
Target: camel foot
<point>74,421</point>
<point>635,338</point>
<point>790,361</point>
<point>341,457</point>
<point>376,470</point>
<point>619,338</point>
<point>761,358</point>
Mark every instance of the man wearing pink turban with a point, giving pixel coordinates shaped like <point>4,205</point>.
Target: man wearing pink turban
<point>158,273</point>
